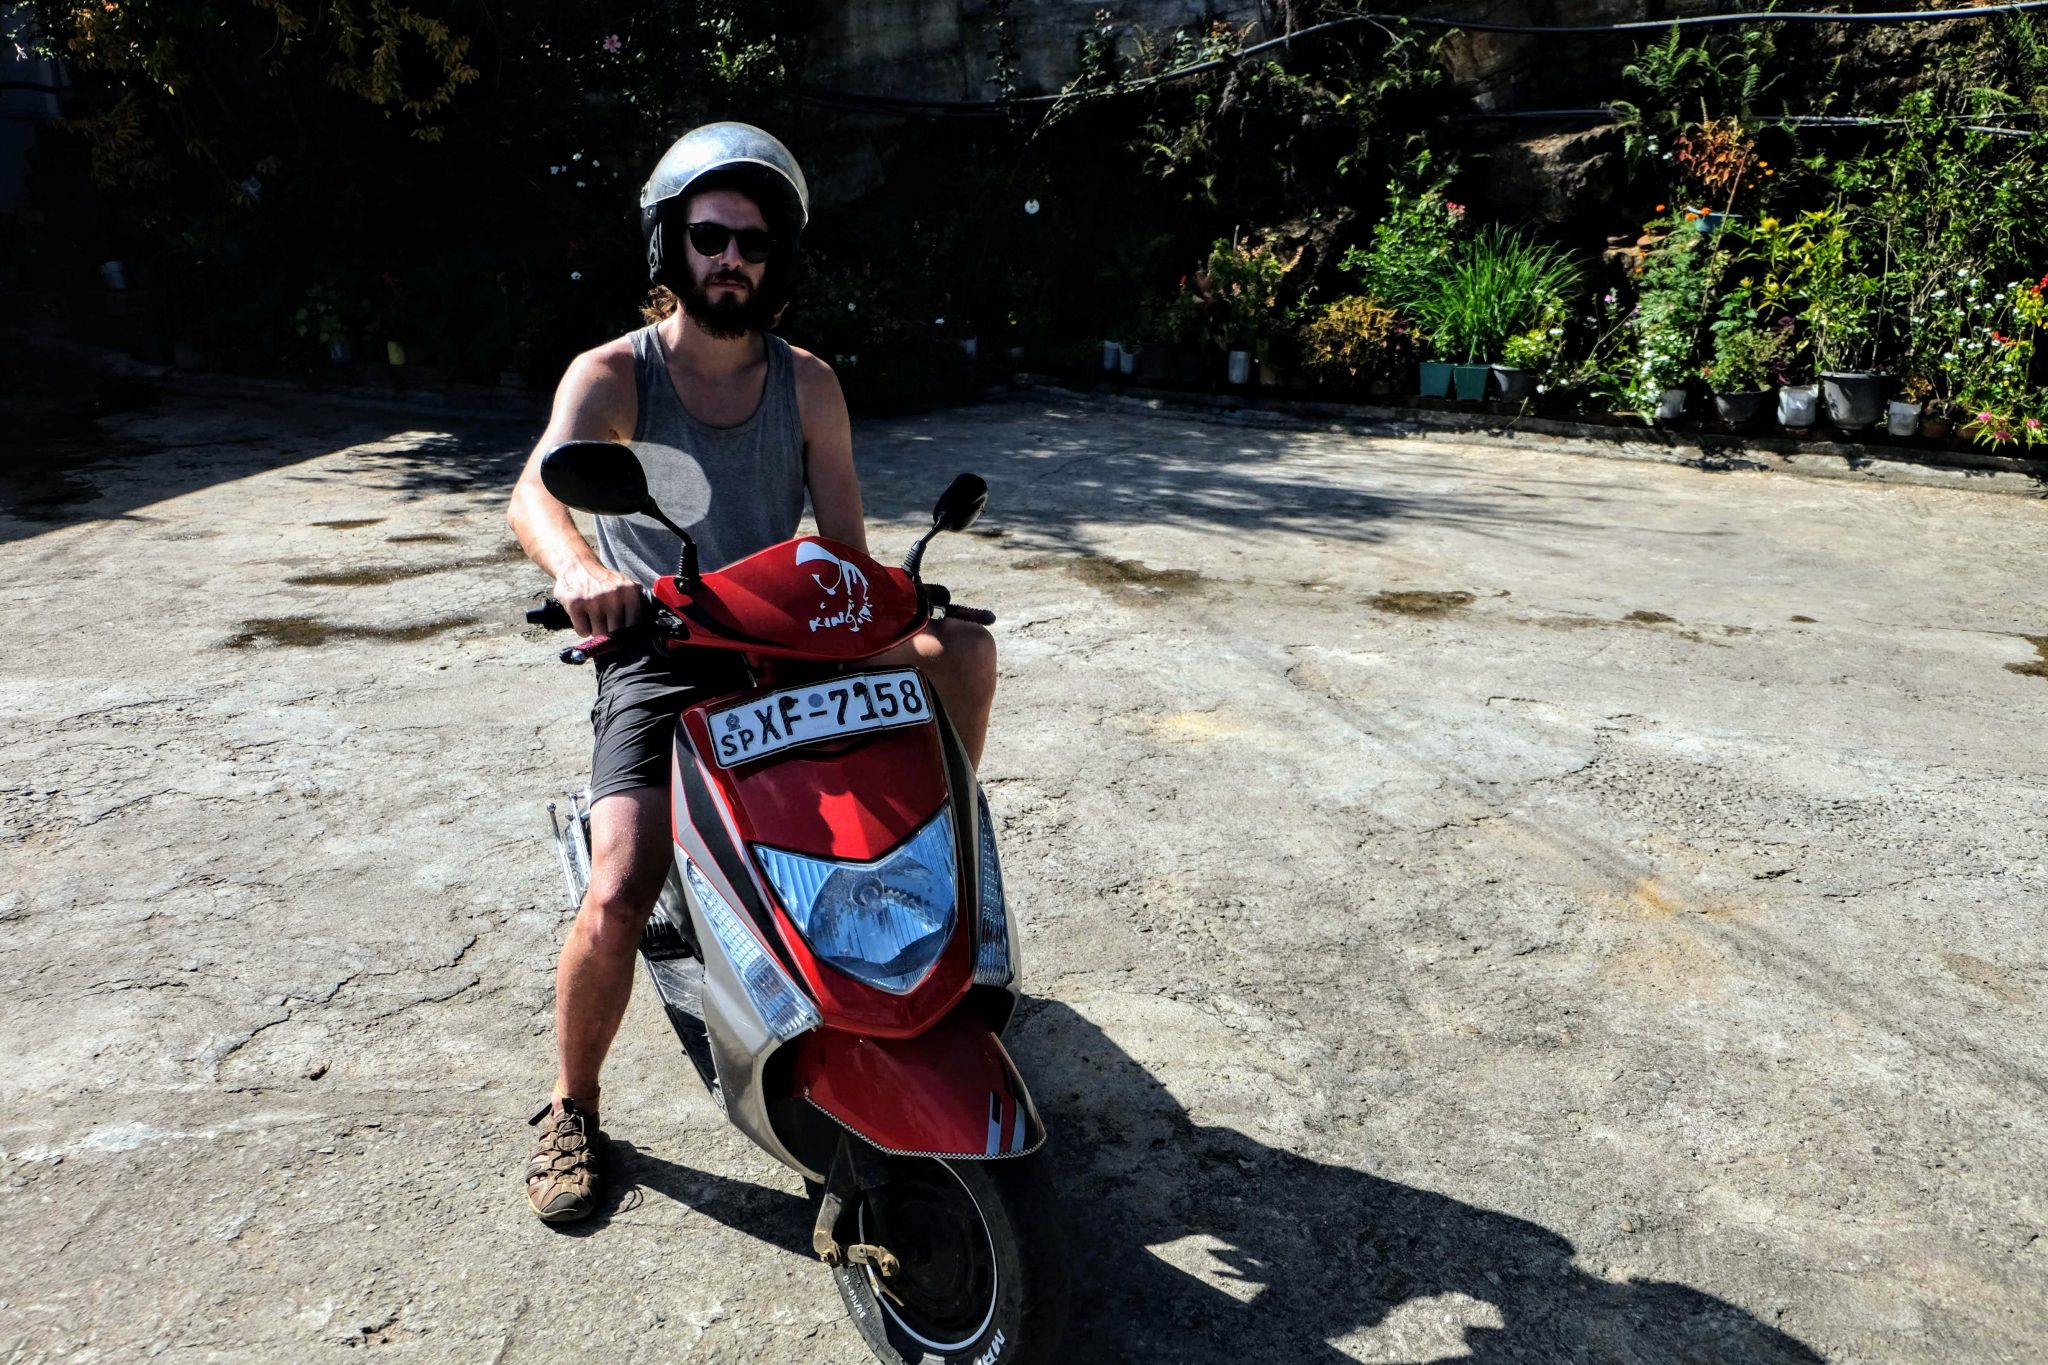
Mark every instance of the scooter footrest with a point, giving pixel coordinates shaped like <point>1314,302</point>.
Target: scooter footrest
<point>662,941</point>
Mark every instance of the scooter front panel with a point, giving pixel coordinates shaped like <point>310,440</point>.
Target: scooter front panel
<point>857,800</point>
<point>952,1091</point>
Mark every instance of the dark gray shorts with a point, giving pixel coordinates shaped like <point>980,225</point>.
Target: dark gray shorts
<point>633,721</point>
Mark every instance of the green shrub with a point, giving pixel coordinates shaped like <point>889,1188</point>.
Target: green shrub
<point>1354,339</point>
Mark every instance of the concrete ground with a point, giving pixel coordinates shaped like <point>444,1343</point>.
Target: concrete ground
<point>1481,902</point>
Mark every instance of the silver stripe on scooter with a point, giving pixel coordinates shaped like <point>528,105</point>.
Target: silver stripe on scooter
<point>1017,1138</point>
<point>995,1123</point>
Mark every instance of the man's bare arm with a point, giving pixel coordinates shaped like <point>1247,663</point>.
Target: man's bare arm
<point>828,453</point>
<point>595,401</point>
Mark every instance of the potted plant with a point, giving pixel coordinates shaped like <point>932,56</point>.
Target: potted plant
<point>1410,244</point>
<point>1496,285</point>
<point>1245,280</point>
<point>1675,282</point>
<point>1530,359</point>
<point>323,317</point>
<point>1841,313</point>
<point>1999,401</point>
<point>1745,360</point>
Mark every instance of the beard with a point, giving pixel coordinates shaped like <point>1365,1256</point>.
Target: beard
<point>728,316</point>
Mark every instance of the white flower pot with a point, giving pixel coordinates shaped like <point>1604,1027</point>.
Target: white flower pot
<point>1902,418</point>
<point>1110,352</point>
<point>1798,405</point>
<point>1126,360</point>
<point>1670,405</point>
<point>1240,367</point>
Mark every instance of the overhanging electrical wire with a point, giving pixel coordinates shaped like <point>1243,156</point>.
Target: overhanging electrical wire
<point>904,104</point>
<point>1605,114</point>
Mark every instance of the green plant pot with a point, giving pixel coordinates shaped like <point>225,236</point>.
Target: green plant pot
<point>1470,381</point>
<point>1436,379</point>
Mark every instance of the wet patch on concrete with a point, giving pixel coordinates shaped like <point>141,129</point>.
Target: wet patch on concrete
<point>1978,972</point>
<point>1651,618</point>
<point>423,538</point>
<point>375,574</point>
<point>306,632</point>
<point>348,524</point>
<point>1127,579</point>
<point>2036,667</point>
<point>1419,603</point>
<point>1805,621</point>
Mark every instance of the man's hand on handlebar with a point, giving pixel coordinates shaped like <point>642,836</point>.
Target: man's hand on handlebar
<point>599,600</point>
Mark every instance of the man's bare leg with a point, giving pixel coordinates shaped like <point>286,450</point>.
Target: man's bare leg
<point>630,854</point>
<point>959,658</point>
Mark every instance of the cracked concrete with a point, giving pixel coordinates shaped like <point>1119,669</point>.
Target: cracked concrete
<point>1479,901</point>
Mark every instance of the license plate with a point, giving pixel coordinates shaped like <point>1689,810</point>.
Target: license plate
<point>848,705</point>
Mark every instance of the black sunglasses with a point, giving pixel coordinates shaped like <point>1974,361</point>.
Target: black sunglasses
<point>709,239</point>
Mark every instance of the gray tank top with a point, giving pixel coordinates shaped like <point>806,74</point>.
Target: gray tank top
<point>735,489</point>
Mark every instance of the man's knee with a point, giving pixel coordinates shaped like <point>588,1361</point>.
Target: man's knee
<point>616,906</point>
<point>629,858</point>
<point>969,654</point>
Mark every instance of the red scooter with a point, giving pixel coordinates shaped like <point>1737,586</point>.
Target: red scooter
<point>833,947</point>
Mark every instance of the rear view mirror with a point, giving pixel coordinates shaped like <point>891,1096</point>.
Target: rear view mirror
<point>960,504</point>
<point>600,477</point>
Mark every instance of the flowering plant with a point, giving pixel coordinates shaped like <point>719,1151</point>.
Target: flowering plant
<point>1992,369</point>
<point>1674,284</point>
<point>1541,347</point>
<point>1409,245</point>
<point>1245,281</point>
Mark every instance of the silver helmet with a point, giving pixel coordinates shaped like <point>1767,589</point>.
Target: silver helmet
<point>734,156</point>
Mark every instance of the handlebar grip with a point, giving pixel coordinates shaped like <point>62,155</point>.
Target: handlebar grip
<point>974,614</point>
<point>549,615</point>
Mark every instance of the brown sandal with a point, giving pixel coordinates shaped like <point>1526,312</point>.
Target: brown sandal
<point>562,1179</point>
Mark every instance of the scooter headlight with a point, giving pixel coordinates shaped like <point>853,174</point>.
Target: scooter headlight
<point>885,922</point>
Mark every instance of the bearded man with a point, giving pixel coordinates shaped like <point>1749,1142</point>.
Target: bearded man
<point>727,417</point>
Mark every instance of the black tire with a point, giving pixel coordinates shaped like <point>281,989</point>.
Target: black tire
<point>984,1279</point>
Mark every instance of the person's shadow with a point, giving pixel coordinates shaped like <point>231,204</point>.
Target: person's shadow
<point>1297,1254</point>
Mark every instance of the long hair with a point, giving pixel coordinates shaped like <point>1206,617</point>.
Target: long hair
<point>661,302</point>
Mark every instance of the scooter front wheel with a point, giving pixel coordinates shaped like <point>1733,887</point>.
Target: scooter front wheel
<point>983,1273</point>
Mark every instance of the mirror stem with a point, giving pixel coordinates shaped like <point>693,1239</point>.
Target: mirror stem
<point>913,560</point>
<point>686,563</point>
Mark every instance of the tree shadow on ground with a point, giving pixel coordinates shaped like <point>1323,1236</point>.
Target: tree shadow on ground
<point>1296,1254</point>
<point>85,447</point>
<point>1062,473</point>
